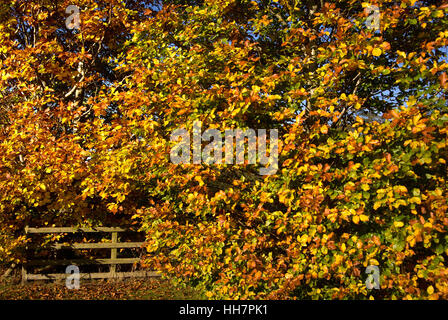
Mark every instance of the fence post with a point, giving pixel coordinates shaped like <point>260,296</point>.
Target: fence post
<point>23,263</point>
<point>113,254</point>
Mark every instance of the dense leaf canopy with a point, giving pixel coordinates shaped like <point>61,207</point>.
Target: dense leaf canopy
<point>86,117</point>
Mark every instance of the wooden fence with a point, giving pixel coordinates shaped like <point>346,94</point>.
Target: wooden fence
<point>113,261</point>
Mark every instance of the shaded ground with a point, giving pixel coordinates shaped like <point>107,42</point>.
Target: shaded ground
<point>132,289</point>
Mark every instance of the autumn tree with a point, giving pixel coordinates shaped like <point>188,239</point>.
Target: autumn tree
<point>361,112</point>
<point>53,131</point>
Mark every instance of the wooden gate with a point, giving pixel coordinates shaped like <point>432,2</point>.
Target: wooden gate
<point>113,261</point>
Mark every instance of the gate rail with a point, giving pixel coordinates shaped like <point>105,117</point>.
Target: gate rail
<point>113,261</point>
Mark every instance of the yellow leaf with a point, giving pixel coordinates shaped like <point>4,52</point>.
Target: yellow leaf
<point>398,224</point>
<point>415,200</point>
<point>324,129</point>
<point>377,52</point>
<point>374,262</point>
<point>365,187</point>
<point>439,14</point>
<point>364,218</point>
<point>274,97</point>
<point>199,179</point>
<point>430,290</point>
